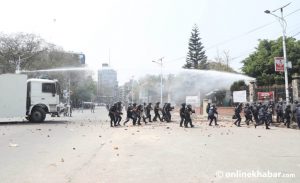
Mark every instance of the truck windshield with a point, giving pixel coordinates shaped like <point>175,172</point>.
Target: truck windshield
<point>48,88</point>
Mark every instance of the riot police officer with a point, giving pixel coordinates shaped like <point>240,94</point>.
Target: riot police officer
<point>144,112</point>
<point>237,112</point>
<point>254,110</point>
<point>248,114</point>
<point>297,114</point>
<point>119,113</point>
<point>112,115</point>
<point>156,112</point>
<point>130,114</point>
<point>164,112</point>
<point>270,114</point>
<point>148,112</point>
<point>211,114</point>
<point>188,119</point>
<point>168,110</point>
<point>262,117</point>
<point>287,116</point>
<point>207,110</point>
<point>182,114</point>
<point>139,114</point>
<point>279,112</point>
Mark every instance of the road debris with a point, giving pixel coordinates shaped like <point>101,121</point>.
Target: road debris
<point>13,145</point>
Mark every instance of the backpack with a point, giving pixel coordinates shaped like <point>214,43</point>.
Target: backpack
<point>211,112</point>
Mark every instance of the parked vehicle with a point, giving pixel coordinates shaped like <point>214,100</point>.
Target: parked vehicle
<point>31,98</point>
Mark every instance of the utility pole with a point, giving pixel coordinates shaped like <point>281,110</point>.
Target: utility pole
<point>283,26</point>
<point>160,62</point>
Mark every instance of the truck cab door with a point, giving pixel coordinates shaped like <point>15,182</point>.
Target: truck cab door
<point>44,93</point>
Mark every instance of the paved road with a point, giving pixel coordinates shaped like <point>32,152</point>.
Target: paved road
<point>85,149</point>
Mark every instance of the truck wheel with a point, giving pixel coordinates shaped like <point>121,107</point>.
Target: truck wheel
<point>37,115</point>
<point>44,117</point>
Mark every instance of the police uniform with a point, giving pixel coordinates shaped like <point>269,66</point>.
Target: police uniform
<point>237,112</point>
<point>182,114</point>
<point>188,119</point>
<point>211,115</point>
<point>156,112</point>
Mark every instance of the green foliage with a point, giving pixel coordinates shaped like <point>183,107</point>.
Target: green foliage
<point>36,54</point>
<point>15,46</point>
<point>220,96</point>
<point>260,64</point>
<point>238,85</point>
<point>84,91</point>
<point>196,58</point>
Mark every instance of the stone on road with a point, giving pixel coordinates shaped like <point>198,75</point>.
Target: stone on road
<point>84,148</point>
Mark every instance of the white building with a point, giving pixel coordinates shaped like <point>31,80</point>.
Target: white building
<point>107,89</point>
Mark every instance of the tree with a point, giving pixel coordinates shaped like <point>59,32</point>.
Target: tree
<point>220,96</point>
<point>196,58</point>
<point>85,90</point>
<point>220,63</point>
<point>238,85</point>
<point>19,46</point>
<point>36,54</point>
<point>260,64</point>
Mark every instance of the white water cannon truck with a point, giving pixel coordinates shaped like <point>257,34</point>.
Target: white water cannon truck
<point>29,98</point>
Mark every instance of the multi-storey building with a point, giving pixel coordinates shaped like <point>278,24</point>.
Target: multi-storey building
<point>107,89</point>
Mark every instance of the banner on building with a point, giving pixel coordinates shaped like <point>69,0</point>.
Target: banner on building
<point>279,64</point>
<point>193,100</point>
<point>265,96</point>
<point>239,96</point>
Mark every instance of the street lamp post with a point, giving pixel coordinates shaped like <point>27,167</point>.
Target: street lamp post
<point>18,66</point>
<point>283,26</point>
<point>160,62</point>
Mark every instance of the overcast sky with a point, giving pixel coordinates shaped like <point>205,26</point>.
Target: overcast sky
<point>139,31</point>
